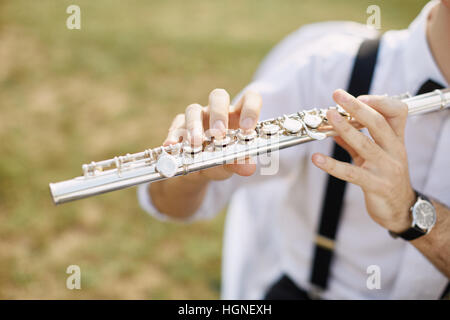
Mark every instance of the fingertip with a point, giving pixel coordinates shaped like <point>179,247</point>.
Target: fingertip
<point>172,138</point>
<point>341,96</point>
<point>218,128</point>
<point>169,141</point>
<point>334,116</point>
<point>196,137</point>
<point>318,159</point>
<point>247,123</point>
<point>244,170</point>
<point>254,97</point>
<point>219,93</point>
<point>219,104</point>
<point>364,98</point>
<point>337,93</point>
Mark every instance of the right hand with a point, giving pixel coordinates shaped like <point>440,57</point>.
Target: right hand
<point>215,119</point>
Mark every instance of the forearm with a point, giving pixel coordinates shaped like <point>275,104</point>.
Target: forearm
<point>436,245</point>
<point>180,197</point>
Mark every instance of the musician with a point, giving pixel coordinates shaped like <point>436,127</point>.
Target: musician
<point>277,245</point>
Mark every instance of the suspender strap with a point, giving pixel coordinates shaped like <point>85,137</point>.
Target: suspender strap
<point>446,294</point>
<point>429,86</point>
<point>360,82</point>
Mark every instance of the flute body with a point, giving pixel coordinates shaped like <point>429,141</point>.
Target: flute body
<point>181,158</point>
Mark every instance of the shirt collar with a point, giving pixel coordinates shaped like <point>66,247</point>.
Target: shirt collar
<point>421,65</point>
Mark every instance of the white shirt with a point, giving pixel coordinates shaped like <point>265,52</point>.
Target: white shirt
<point>272,220</point>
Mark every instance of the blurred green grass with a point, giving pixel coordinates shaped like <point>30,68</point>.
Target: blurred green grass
<point>71,96</point>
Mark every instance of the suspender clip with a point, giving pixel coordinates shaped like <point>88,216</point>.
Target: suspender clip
<point>324,242</point>
<point>315,292</point>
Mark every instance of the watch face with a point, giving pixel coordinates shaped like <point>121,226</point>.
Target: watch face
<point>424,214</point>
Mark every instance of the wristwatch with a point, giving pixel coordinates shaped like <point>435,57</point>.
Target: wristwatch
<point>423,219</point>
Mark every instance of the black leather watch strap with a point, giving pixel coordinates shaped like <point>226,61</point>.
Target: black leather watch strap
<point>413,232</point>
<point>410,234</point>
<point>424,197</point>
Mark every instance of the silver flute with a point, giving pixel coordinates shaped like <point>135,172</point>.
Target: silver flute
<point>182,158</point>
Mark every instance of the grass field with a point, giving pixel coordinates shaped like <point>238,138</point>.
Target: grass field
<point>71,96</point>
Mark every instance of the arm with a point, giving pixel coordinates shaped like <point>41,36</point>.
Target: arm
<point>380,168</point>
<point>179,198</point>
<point>436,245</point>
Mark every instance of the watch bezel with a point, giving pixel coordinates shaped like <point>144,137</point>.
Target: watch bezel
<point>415,209</point>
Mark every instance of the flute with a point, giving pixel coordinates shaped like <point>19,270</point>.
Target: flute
<point>181,158</point>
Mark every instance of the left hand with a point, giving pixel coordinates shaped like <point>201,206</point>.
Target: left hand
<point>380,164</point>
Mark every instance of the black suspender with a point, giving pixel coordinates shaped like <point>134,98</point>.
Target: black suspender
<point>360,81</point>
<point>429,86</point>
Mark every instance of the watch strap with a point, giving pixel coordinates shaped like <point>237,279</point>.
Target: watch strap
<point>422,196</point>
<point>410,234</point>
<point>413,232</point>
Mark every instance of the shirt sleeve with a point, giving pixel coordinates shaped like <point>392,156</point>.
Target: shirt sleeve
<point>418,278</point>
<point>217,196</point>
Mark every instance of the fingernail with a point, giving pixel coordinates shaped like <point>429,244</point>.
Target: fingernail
<point>196,136</point>
<point>197,132</point>
<point>335,116</point>
<point>168,142</point>
<point>364,99</point>
<point>344,96</point>
<point>247,123</point>
<point>218,127</point>
<point>319,159</point>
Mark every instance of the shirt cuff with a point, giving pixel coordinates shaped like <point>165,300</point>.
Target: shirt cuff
<point>206,211</point>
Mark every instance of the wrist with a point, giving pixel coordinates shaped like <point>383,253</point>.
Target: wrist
<point>194,181</point>
<point>178,198</point>
<point>404,219</point>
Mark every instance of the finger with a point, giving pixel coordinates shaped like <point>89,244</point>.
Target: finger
<point>377,125</point>
<point>227,170</point>
<point>355,156</point>
<point>219,102</point>
<point>249,107</point>
<point>217,173</point>
<point>176,130</point>
<point>244,170</point>
<point>345,171</point>
<point>362,144</point>
<point>394,110</point>
<point>194,124</point>
<point>205,112</point>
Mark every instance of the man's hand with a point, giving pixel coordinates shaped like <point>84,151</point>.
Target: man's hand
<point>380,164</point>
<point>213,120</point>
<point>182,196</point>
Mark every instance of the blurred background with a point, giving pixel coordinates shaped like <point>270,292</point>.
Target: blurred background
<point>68,97</point>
